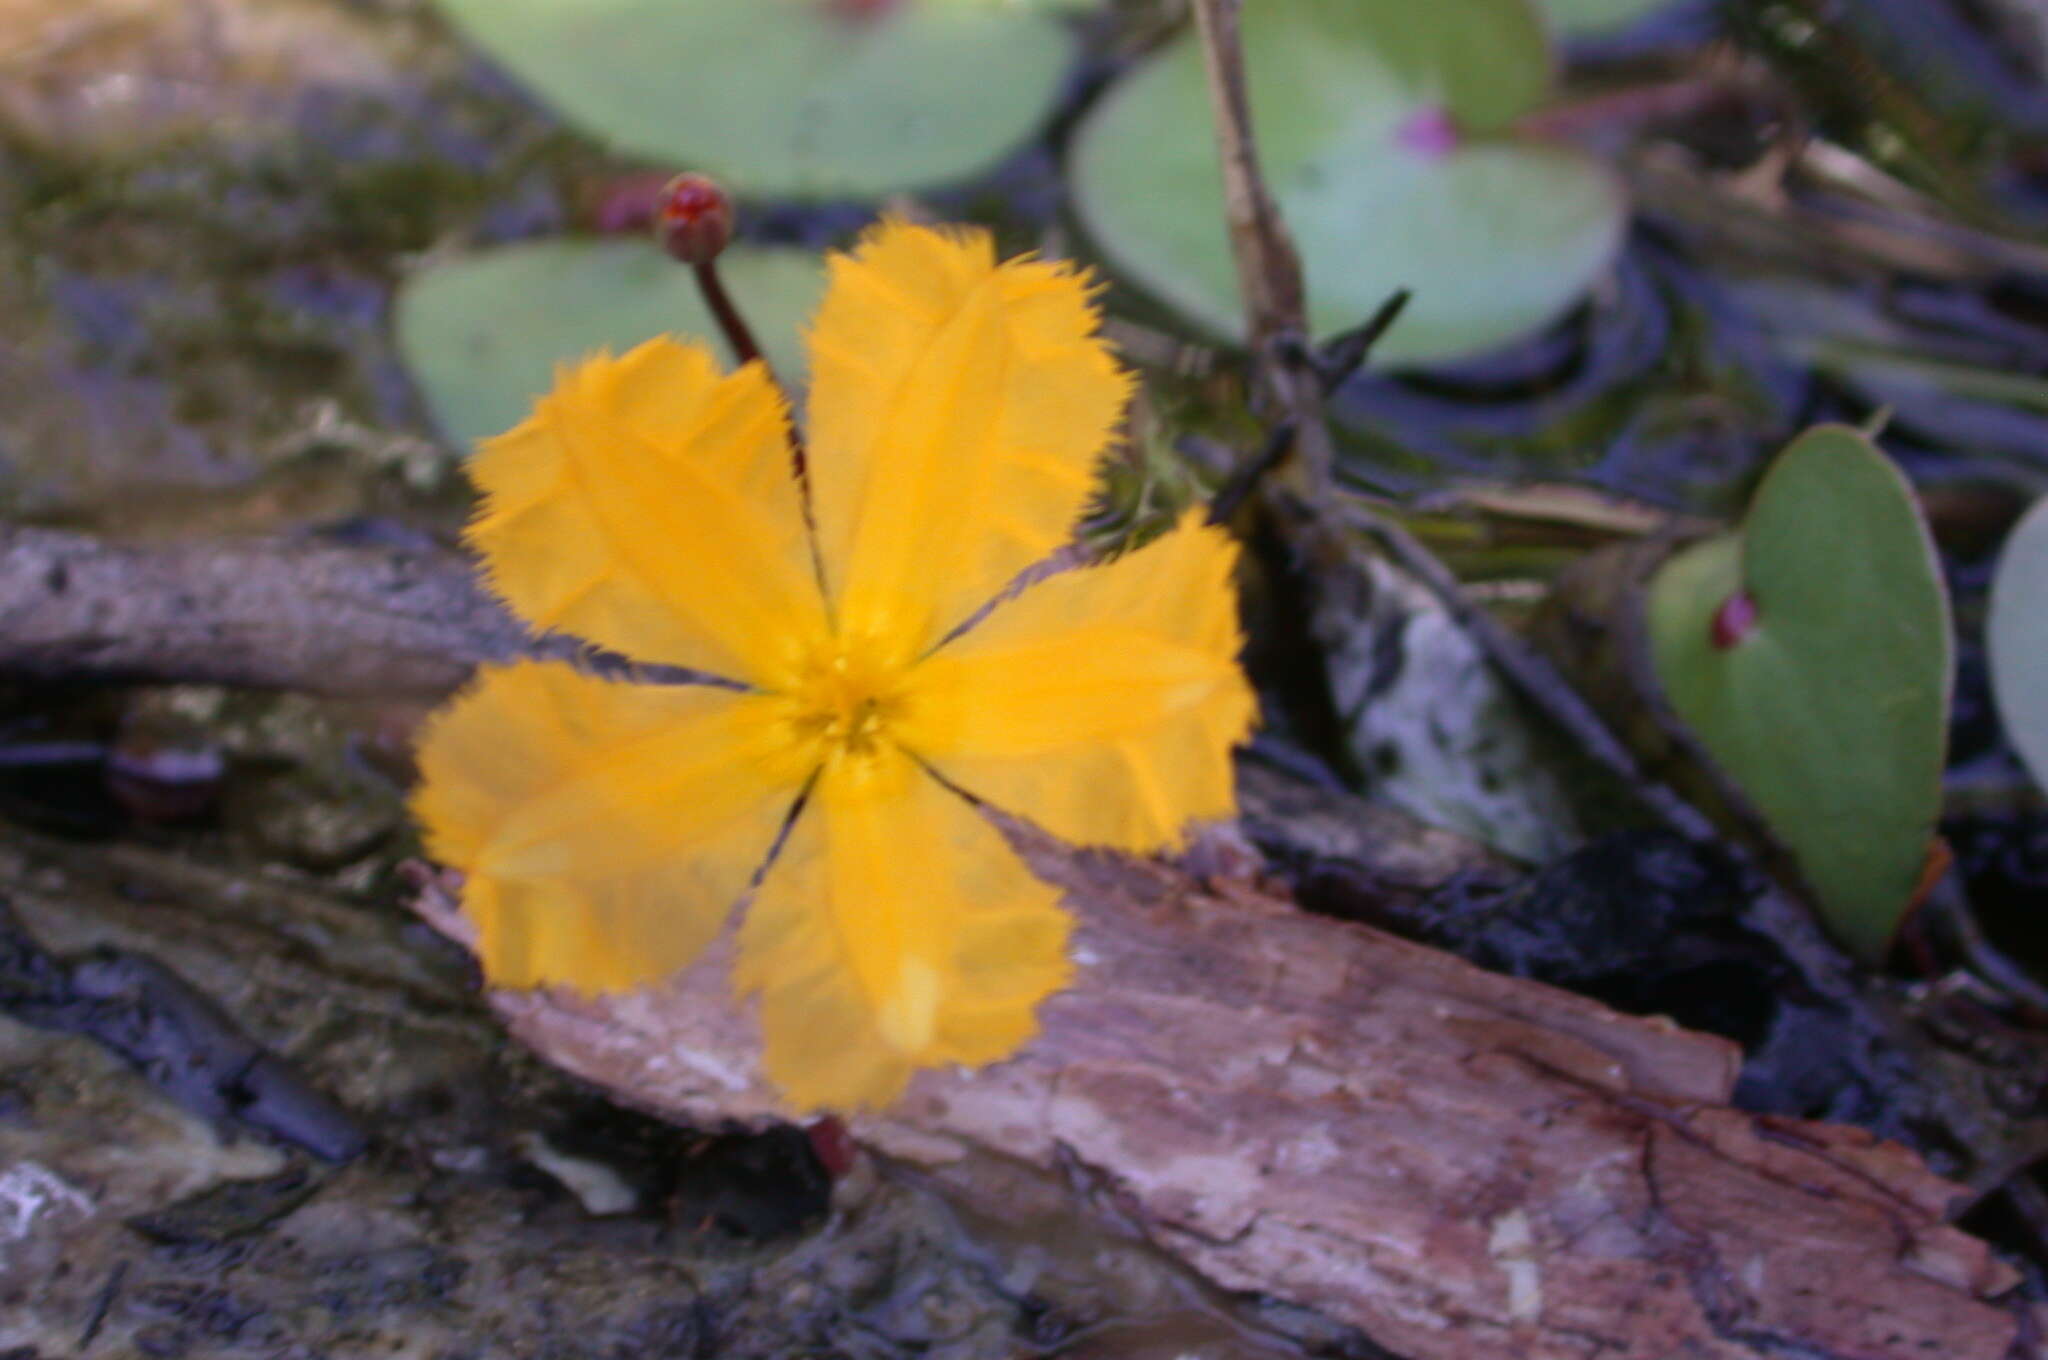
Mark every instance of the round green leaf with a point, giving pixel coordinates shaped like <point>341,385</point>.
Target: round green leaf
<point>1830,712</point>
<point>787,98</point>
<point>2016,637</point>
<point>482,334</point>
<point>1494,236</point>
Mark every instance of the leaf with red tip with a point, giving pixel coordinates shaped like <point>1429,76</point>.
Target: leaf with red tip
<point>1828,706</point>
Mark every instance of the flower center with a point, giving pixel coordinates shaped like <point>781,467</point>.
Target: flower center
<point>845,699</point>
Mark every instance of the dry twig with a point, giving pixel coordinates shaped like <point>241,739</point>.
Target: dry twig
<point>1268,269</point>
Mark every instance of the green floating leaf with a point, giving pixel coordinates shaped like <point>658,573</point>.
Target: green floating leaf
<point>2016,638</point>
<point>787,98</point>
<point>1381,130</point>
<point>482,334</point>
<point>1828,704</point>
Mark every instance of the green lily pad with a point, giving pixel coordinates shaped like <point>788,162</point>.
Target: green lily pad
<point>1382,133</point>
<point>787,98</point>
<point>483,333</point>
<point>1828,708</point>
<point>2016,638</point>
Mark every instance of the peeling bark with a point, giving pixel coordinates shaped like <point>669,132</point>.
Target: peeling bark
<point>1457,1163</point>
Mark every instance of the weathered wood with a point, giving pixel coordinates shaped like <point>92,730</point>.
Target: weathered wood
<point>327,618</point>
<point>1458,1163</point>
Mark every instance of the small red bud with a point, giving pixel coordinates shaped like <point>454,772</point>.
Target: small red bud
<point>693,219</point>
<point>833,1144</point>
<point>1734,620</point>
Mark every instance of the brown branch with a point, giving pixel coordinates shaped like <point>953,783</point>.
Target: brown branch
<point>1268,268</point>
<point>326,618</point>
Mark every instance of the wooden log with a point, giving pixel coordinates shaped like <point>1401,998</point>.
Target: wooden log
<point>1458,1163</point>
<point>322,617</point>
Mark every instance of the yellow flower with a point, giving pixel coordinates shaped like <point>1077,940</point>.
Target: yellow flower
<point>605,830</point>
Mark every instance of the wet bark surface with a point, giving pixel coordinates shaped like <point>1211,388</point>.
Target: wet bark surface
<point>1455,1162</point>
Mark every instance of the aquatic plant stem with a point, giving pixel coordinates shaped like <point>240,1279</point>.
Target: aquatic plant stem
<point>1331,365</point>
<point>1268,268</point>
<point>737,333</point>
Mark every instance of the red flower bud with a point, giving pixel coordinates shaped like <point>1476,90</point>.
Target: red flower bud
<point>693,219</point>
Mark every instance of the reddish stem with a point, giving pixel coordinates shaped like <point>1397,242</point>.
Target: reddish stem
<point>728,316</point>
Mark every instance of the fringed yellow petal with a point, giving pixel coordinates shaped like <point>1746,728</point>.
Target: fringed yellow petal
<point>648,505</point>
<point>1101,703</point>
<point>604,831</point>
<point>957,409</point>
<point>895,931</point>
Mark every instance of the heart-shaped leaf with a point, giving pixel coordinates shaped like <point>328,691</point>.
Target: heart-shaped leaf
<point>1381,129</point>
<point>790,98</point>
<point>482,334</point>
<point>2016,638</point>
<point>1810,653</point>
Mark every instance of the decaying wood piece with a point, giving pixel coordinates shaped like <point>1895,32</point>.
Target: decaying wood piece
<point>1458,1163</point>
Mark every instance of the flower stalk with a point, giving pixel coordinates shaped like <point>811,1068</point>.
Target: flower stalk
<point>693,221</point>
